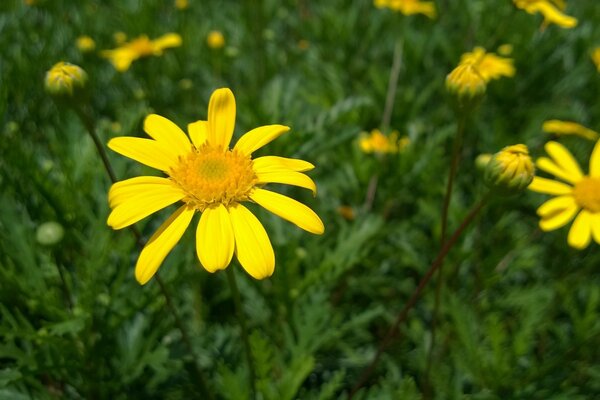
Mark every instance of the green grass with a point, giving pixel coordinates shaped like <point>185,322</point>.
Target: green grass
<point>519,315</point>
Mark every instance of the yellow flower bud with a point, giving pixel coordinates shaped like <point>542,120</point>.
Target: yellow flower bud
<point>465,82</point>
<point>85,44</point>
<point>215,40</point>
<point>511,169</point>
<point>63,78</point>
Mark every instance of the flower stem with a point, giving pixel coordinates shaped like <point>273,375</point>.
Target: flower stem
<point>435,265</point>
<point>89,125</point>
<point>242,321</point>
<point>392,85</point>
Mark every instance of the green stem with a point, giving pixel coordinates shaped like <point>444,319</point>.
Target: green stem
<point>392,85</point>
<point>90,128</point>
<point>242,321</point>
<point>402,315</point>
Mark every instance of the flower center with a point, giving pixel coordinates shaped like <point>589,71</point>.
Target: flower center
<point>209,175</point>
<point>587,194</point>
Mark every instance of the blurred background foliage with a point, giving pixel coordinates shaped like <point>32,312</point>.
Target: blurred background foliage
<point>519,315</point>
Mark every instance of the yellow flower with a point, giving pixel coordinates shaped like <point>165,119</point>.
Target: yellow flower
<point>510,169</point>
<point>559,127</point>
<point>63,78</point>
<point>596,57</point>
<point>214,180</point>
<point>377,142</point>
<point>347,212</point>
<point>123,56</point>
<point>579,198</point>
<point>119,37</point>
<point>505,49</point>
<point>465,81</point>
<point>181,4</point>
<point>489,65</point>
<point>408,7</point>
<point>215,40</point>
<point>550,11</point>
<point>85,44</point>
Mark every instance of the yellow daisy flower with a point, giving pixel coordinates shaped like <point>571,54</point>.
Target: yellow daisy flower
<point>596,57</point>
<point>559,127</point>
<point>213,179</point>
<point>408,7</point>
<point>85,44</point>
<point>550,11</point>
<point>142,46</point>
<point>489,65</point>
<point>579,198</point>
<point>465,81</point>
<point>377,142</point>
<point>215,40</point>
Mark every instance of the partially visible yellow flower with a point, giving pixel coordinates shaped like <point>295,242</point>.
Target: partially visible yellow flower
<point>408,7</point>
<point>119,37</point>
<point>578,198</point>
<point>549,10</point>
<point>465,81</point>
<point>63,78</point>
<point>85,44</point>
<point>347,212</point>
<point>122,57</point>
<point>377,142</point>
<point>489,65</point>
<point>212,179</point>
<point>505,49</point>
<point>559,127</point>
<point>215,40</point>
<point>596,57</point>
<point>181,4</point>
<point>511,169</point>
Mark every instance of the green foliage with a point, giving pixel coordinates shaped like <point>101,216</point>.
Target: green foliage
<point>519,311</point>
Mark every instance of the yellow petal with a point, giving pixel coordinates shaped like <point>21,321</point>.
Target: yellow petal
<point>580,233</point>
<point>555,205</point>
<point>122,191</point>
<point>549,166</point>
<point>287,178</point>
<point>214,239</point>
<point>548,186</point>
<point>596,227</point>
<point>595,161</point>
<point>558,219</point>
<point>120,58</point>
<point>198,132</point>
<point>165,42</point>
<point>161,243</point>
<point>149,199</point>
<point>146,151</point>
<point>252,245</point>
<point>564,159</point>
<point>289,209</point>
<point>221,117</point>
<point>167,134</point>
<point>266,163</point>
<point>258,137</point>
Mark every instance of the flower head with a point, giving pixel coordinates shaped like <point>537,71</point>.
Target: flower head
<point>377,142</point>
<point>511,169</point>
<point>578,198</point>
<point>142,46</point>
<point>466,82</point>
<point>560,128</point>
<point>596,57</point>
<point>85,44</point>
<point>408,7</point>
<point>551,10</point>
<point>181,4</point>
<point>63,78</point>
<point>489,65</point>
<point>215,40</point>
<point>214,180</point>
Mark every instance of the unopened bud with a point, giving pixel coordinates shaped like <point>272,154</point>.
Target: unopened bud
<point>49,233</point>
<point>63,79</point>
<point>482,161</point>
<point>511,169</point>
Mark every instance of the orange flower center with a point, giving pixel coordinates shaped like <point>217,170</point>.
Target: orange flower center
<point>210,175</point>
<point>587,194</point>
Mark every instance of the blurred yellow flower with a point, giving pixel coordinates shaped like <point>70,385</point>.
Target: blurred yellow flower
<point>550,10</point>
<point>347,212</point>
<point>214,180</point>
<point>119,37</point>
<point>122,57</point>
<point>489,65</point>
<point>215,40</point>
<point>408,7</point>
<point>596,57</point>
<point>505,49</point>
<point>511,169</point>
<point>85,44</point>
<point>63,78</point>
<point>465,81</point>
<point>181,4</point>
<point>559,127</point>
<point>579,198</point>
<point>377,142</point>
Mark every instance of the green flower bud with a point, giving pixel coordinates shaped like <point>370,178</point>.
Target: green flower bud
<point>510,170</point>
<point>482,161</point>
<point>63,79</point>
<point>49,233</point>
